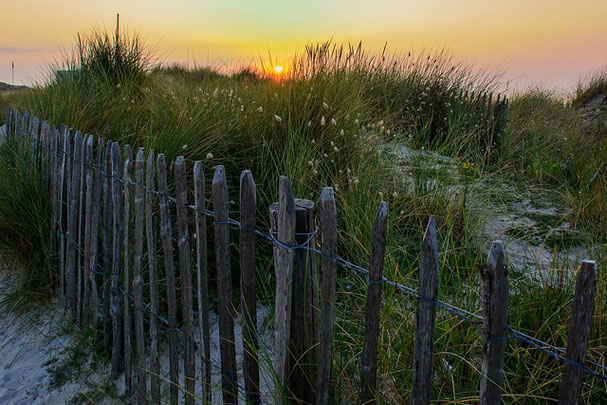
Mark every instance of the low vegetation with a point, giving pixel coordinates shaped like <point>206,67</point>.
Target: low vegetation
<point>340,117</point>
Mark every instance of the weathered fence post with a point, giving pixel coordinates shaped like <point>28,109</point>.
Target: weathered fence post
<point>495,322</point>
<point>183,244</point>
<point>153,277</point>
<point>328,227</point>
<point>126,271</point>
<point>107,225</point>
<point>61,197</point>
<point>303,336</point>
<point>80,245</point>
<point>166,234</point>
<point>202,277</point>
<point>94,241</point>
<point>368,376</point>
<point>72,259</point>
<point>248,210</point>
<point>138,279</point>
<point>425,318</point>
<point>579,329</point>
<point>283,263</point>
<point>116,288</point>
<point>88,229</point>
<point>224,280</point>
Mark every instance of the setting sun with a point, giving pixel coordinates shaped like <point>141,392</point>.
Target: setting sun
<point>278,69</point>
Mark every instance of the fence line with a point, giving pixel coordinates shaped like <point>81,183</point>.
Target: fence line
<point>27,131</point>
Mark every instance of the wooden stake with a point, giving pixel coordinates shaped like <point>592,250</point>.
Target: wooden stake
<point>202,277</point>
<point>138,279</point>
<point>126,272</point>
<point>283,262</point>
<point>224,283</point>
<point>152,271</point>
<point>183,244</point>
<point>166,234</point>
<point>116,290</point>
<point>368,377</point>
<point>108,221</point>
<point>495,307</point>
<point>579,330</point>
<point>425,318</point>
<point>328,226</point>
<point>248,210</point>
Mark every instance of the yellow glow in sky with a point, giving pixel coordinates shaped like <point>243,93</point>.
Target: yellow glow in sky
<point>535,41</point>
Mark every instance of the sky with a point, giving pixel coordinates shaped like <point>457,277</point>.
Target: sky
<point>533,42</point>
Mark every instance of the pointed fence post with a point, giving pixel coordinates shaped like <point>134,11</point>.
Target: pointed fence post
<point>108,220</point>
<point>284,231</point>
<point>425,318</point>
<point>579,329</point>
<point>202,277</point>
<point>495,322</point>
<point>138,279</point>
<point>183,244</point>
<point>328,227</point>
<point>166,234</point>
<point>248,210</point>
<point>153,278</point>
<point>92,270</point>
<point>126,271</point>
<point>116,288</point>
<point>88,229</point>
<point>80,244</point>
<point>72,258</point>
<point>368,377</point>
<point>227,313</point>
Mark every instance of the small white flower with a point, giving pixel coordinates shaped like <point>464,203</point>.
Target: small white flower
<point>277,118</point>
<point>309,124</point>
<point>260,109</point>
<point>402,213</point>
<point>184,147</point>
<point>313,141</point>
<point>325,105</point>
<point>341,132</point>
<point>315,172</point>
<point>333,122</point>
<point>356,121</point>
<point>332,143</point>
<point>322,121</point>
<point>336,149</point>
<point>310,163</point>
<point>356,180</point>
<point>209,155</point>
<point>395,194</point>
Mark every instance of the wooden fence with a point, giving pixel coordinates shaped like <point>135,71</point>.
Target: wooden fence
<point>107,200</point>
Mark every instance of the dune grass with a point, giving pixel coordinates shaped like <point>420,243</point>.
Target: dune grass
<point>327,123</point>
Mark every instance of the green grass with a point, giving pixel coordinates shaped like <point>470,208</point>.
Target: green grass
<point>325,124</point>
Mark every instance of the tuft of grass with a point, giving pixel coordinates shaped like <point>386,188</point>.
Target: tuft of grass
<point>590,88</point>
<point>24,225</point>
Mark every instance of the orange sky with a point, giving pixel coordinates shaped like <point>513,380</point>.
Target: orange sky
<point>535,41</point>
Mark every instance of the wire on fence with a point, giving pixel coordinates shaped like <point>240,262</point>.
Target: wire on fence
<point>461,313</point>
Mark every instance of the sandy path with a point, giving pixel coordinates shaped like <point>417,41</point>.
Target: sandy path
<point>32,345</point>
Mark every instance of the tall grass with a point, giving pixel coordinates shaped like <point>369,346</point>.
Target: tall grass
<point>327,122</point>
<point>24,225</point>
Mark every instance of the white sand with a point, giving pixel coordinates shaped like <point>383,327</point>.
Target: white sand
<point>34,342</point>
<point>28,342</point>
